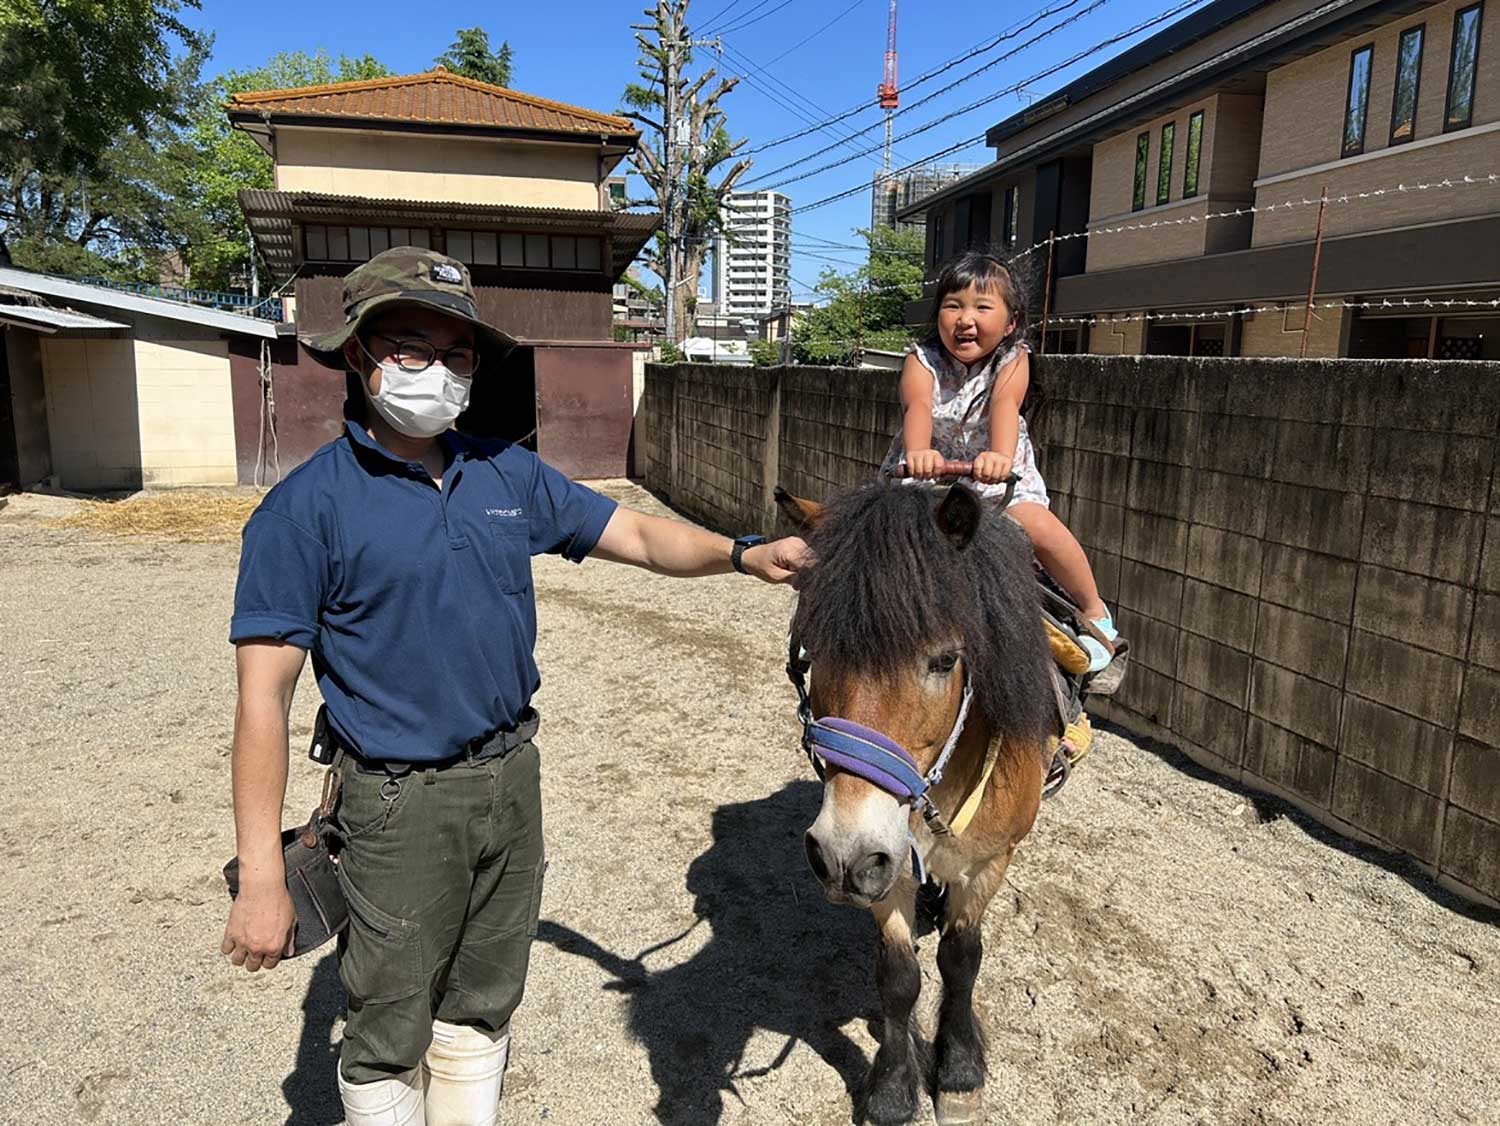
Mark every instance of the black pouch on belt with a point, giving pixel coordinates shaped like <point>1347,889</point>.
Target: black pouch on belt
<point>312,878</point>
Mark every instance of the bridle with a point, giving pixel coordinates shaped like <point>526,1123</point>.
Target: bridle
<point>873,755</point>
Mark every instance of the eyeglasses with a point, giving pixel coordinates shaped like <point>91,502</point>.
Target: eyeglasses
<point>418,355</point>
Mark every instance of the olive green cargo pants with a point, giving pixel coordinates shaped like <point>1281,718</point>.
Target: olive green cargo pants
<point>443,873</point>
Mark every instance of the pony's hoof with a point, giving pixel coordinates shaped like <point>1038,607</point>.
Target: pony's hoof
<point>959,1108</point>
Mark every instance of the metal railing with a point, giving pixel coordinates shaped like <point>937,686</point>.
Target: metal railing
<point>262,308</point>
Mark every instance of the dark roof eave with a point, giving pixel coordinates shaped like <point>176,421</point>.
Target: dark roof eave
<point>629,140</point>
<point>916,210</point>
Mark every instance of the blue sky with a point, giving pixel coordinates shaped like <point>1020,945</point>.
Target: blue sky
<point>582,52</point>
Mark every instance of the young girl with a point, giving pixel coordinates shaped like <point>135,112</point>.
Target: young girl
<point>961,390</point>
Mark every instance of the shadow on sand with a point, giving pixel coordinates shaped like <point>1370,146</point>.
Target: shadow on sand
<point>312,1090</point>
<point>778,959</point>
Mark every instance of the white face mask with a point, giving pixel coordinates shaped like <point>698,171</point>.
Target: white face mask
<point>420,404</point>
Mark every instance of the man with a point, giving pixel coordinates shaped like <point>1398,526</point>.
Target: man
<point>399,555</point>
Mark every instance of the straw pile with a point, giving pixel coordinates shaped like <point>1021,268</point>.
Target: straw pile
<point>180,516</point>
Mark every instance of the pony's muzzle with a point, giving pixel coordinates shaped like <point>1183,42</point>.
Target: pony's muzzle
<point>868,878</point>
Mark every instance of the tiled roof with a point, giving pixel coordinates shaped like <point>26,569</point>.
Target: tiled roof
<point>436,97</point>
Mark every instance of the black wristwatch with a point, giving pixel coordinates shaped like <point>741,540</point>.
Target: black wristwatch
<point>737,553</point>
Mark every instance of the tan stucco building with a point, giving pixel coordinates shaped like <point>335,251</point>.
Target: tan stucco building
<point>1137,168</point>
<point>514,185</point>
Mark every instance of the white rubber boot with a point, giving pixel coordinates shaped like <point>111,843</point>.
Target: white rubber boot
<point>465,1073</point>
<point>386,1102</point>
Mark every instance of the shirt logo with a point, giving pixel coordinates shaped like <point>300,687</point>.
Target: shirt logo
<point>502,512</point>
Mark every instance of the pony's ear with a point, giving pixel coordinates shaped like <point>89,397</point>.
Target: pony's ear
<point>958,515</point>
<point>803,514</point>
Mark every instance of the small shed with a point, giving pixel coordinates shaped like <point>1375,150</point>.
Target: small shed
<point>102,388</point>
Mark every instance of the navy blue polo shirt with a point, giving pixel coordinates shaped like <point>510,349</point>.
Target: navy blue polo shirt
<point>416,603</point>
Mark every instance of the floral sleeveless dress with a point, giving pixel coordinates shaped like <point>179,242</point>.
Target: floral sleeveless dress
<point>961,419</point>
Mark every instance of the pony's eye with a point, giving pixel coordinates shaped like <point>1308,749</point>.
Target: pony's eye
<point>942,664</point>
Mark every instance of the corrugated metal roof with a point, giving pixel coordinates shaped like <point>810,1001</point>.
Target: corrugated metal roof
<point>50,320</point>
<point>81,293</point>
<point>436,97</point>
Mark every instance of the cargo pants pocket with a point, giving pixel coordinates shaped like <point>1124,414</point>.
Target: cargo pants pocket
<point>380,957</point>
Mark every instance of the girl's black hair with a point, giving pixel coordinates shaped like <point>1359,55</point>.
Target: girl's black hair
<point>984,272</point>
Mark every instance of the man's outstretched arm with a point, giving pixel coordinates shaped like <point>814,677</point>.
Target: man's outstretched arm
<point>670,547</point>
<point>261,920</point>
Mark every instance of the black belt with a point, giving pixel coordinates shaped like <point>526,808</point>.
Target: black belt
<point>496,745</point>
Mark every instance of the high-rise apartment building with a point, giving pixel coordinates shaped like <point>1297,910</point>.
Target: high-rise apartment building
<point>753,257</point>
<point>893,193</point>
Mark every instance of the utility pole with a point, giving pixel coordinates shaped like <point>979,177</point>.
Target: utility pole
<point>670,60</point>
<point>674,40</point>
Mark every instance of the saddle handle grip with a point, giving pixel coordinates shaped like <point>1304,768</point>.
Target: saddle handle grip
<point>956,469</point>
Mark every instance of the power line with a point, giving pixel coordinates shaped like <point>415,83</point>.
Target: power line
<point>718,18</point>
<point>1014,51</point>
<point>920,79</point>
<point>749,71</point>
<point>747,22</point>
<point>1170,14</point>
<point>814,35</point>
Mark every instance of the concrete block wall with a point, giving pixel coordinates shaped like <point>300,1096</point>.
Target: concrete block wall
<point>1305,556</point>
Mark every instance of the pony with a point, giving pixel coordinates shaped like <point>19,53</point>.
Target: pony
<point>921,623</point>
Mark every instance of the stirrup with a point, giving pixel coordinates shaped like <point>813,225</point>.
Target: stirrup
<point>1058,773</point>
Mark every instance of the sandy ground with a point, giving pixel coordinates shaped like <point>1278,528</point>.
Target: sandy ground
<point>1170,949</point>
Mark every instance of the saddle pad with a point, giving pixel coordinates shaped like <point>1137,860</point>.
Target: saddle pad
<point>1070,656</point>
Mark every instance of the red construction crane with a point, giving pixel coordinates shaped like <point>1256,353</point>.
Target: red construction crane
<point>888,91</point>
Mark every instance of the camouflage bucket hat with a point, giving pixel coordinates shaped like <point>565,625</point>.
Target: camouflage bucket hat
<point>408,276</point>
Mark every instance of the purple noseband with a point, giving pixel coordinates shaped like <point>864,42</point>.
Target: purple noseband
<point>868,753</point>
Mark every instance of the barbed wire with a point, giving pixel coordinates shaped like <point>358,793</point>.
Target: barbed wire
<point>1488,180</point>
<point>1217,314</point>
<point>1282,306</point>
<point>1483,179</point>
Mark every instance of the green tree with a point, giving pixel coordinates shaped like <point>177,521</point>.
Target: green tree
<point>866,307</point>
<point>218,248</point>
<point>470,56</point>
<point>75,73</point>
<point>764,354</point>
<point>91,98</point>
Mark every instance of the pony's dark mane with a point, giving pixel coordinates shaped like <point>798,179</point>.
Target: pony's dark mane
<point>888,584</point>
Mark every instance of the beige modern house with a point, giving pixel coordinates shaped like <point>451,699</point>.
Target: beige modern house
<point>516,186</point>
<point>1259,107</point>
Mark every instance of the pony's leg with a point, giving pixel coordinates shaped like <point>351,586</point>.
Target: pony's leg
<point>895,1080</point>
<point>961,1068</point>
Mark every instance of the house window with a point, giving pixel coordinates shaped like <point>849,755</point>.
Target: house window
<point>525,251</point>
<point>1164,163</point>
<point>1408,80</point>
<point>324,243</point>
<point>1458,112</point>
<point>1011,218</point>
<point>1357,107</point>
<point>979,221</point>
<point>1142,154</point>
<point>1194,156</point>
